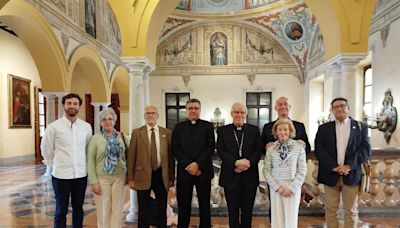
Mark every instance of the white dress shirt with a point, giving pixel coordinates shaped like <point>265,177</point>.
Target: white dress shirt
<point>64,146</point>
<point>342,139</point>
<point>157,134</point>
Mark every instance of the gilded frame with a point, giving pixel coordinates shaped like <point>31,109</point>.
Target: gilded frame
<point>19,94</point>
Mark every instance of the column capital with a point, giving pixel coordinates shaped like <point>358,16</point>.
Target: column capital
<point>60,95</point>
<point>347,61</point>
<point>49,95</point>
<point>333,70</point>
<point>141,64</point>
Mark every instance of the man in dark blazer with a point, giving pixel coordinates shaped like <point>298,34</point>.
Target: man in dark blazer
<point>341,146</point>
<point>282,107</point>
<point>151,166</point>
<point>193,144</point>
<point>240,147</point>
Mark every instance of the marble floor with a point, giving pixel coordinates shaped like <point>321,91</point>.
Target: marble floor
<point>27,200</point>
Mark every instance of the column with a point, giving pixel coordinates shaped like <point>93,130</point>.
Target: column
<point>346,82</point>
<point>60,107</point>
<point>146,85</point>
<point>50,117</point>
<point>139,70</point>
<point>50,107</point>
<point>98,106</point>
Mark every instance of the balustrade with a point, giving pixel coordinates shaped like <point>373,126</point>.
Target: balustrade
<point>384,187</point>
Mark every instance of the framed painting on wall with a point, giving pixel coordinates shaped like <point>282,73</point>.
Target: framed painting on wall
<point>19,102</point>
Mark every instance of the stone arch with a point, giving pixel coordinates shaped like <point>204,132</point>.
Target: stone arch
<point>87,74</point>
<point>34,30</point>
<point>120,82</point>
<point>120,85</point>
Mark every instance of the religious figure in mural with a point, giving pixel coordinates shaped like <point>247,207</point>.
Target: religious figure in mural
<point>184,5</point>
<point>294,31</point>
<point>90,17</point>
<point>218,49</point>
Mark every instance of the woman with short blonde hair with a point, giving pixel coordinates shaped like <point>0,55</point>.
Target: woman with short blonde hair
<point>285,170</point>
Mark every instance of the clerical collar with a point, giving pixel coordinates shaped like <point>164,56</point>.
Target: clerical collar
<point>193,122</point>
<point>239,128</point>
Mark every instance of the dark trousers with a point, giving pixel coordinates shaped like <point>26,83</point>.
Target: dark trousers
<point>240,201</point>
<point>269,199</point>
<point>63,188</point>
<point>146,211</point>
<point>184,191</point>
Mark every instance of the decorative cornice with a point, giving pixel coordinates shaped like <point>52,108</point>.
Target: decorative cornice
<point>227,70</point>
<point>385,15</point>
<point>234,15</point>
<point>74,31</point>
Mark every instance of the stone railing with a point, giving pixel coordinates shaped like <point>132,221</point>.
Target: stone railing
<point>383,198</point>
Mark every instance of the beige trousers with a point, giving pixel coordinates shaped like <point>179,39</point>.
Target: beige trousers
<point>284,210</point>
<point>350,206</point>
<point>110,202</point>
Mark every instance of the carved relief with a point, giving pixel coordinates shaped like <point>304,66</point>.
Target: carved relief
<point>111,34</point>
<point>317,45</point>
<point>69,8</point>
<point>260,49</point>
<point>222,44</point>
<point>177,51</point>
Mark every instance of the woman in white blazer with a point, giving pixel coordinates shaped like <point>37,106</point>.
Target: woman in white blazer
<point>285,169</point>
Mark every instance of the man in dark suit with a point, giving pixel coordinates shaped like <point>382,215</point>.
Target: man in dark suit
<point>282,107</point>
<point>193,144</point>
<point>151,167</point>
<point>341,146</point>
<point>240,147</point>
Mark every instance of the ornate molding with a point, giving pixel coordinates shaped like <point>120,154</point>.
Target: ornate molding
<point>386,12</point>
<point>227,70</point>
<point>251,78</point>
<point>384,34</point>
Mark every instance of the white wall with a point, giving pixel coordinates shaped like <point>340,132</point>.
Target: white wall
<point>386,75</point>
<point>315,106</point>
<point>223,91</point>
<point>15,59</point>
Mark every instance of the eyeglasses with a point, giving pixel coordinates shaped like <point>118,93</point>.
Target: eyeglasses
<point>239,113</point>
<point>341,106</point>
<point>150,113</point>
<point>107,119</point>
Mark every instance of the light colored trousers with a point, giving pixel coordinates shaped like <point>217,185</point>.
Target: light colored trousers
<point>110,201</point>
<point>284,210</point>
<point>349,198</point>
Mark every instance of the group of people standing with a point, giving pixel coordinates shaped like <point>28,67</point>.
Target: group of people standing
<point>147,163</point>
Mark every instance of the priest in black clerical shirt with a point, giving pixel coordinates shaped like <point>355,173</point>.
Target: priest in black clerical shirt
<point>240,147</point>
<point>193,144</point>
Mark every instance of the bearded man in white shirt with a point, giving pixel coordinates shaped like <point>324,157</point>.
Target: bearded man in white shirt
<point>64,148</point>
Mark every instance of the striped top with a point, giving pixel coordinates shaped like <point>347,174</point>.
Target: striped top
<point>293,168</point>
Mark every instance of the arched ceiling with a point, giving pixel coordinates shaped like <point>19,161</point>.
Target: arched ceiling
<point>142,20</point>
<point>223,6</point>
<point>33,29</point>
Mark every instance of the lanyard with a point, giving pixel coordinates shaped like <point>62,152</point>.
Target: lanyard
<point>241,142</point>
